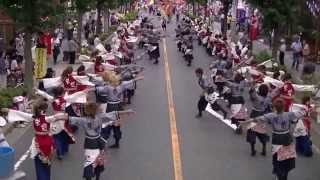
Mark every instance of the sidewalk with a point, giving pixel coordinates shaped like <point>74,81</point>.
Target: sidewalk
<point>259,46</point>
<point>14,134</point>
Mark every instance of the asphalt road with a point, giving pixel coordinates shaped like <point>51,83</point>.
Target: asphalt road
<point>209,149</point>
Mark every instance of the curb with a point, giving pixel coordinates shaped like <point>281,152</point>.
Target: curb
<point>8,128</point>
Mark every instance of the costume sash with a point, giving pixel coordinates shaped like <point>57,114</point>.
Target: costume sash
<point>284,152</point>
<point>90,156</point>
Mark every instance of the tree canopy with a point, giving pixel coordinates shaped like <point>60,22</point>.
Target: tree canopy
<point>30,14</point>
<point>276,13</point>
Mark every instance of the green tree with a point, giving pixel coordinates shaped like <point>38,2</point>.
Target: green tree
<point>27,15</point>
<point>103,7</point>
<point>81,6</point>
<point>109,5</point>
<point>99,6</point>
<point>277,14</point>
<point>227,4</point>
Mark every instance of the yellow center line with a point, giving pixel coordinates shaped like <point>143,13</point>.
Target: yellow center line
<point>172,116</point>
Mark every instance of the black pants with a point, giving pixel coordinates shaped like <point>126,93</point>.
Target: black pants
<point>216,107</point>
<point>282,168</point>
<point>66,56</point>
<point>202,104</point>
<point>281,58</point>
<point>72,57</point>
<point>117,134</point>
<point>283,176</point>
<point>19,59</point>
<point>128,94</point>
<point>86,34</point>
<point>220,86</point>
<point>56,52</point>
<point>251,139</point>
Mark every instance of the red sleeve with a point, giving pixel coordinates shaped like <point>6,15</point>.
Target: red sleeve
<point>56,105</point>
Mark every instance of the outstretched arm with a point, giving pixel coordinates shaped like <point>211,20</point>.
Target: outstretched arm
<point>14,115</point>
<point>125,113</point>
<point>44,94</point>
<point>57,117</point>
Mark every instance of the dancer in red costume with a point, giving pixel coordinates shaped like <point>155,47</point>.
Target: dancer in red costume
<point>254,27</point>
<point>69,82</point>
<point>287,92</point>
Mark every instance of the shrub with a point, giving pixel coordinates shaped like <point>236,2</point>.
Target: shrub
<point>130,16</point>
<point>104,36</point>
<point>7,94</point>
<point>191,16</point>
<point>263,56</point>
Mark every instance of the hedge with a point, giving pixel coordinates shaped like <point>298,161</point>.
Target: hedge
<point>7,94</point>
<point>104,36</point>
<point>130,16</point>
<point>263,56</point>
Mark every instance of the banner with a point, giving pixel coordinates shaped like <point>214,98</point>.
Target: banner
<point>40,63</point>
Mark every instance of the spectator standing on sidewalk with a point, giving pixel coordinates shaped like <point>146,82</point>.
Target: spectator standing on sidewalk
<point>20,48</point>
<point>59,32</point>
<point>282,51</point>
<point>65,49</point>
<point>73,46</point>
<point>56,49</point>
<point>3,66</point>
<point>297,51</point>
<point>86,30</point>
<point>305,51</point>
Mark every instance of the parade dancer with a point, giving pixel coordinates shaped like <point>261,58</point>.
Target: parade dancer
<point>61,132</point>
<point>93,144</point>
<point>204,83</point>
<point>98,66</point>
<point>239,113</point>
<point>287,92</point>
<point>237,88</point>
<point>81,71</point>
<point>71,86</point>
<point>42,144</point>
<point>188,54</point>
<point>212,97</point>
<point>303,143</point>
<point>261,103</point>
<point>306,101</point>
<point>283,150</point>
<point>114,91</point>
<point>69,82</point>
<point>302,130</point>
<point>154,38</point>
<point>164,24</point>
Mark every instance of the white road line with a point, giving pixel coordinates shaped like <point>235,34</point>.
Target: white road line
<point>220,117</point>
<point>22,159</point>
<point>316,148</point>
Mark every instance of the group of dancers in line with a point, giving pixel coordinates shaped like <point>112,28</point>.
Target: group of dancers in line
<point>233,70</point>
<point>92,97</point>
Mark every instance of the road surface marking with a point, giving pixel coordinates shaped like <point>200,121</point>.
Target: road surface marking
<point>220,117</point>
<point>22,159</point>
<point>172,116</point>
